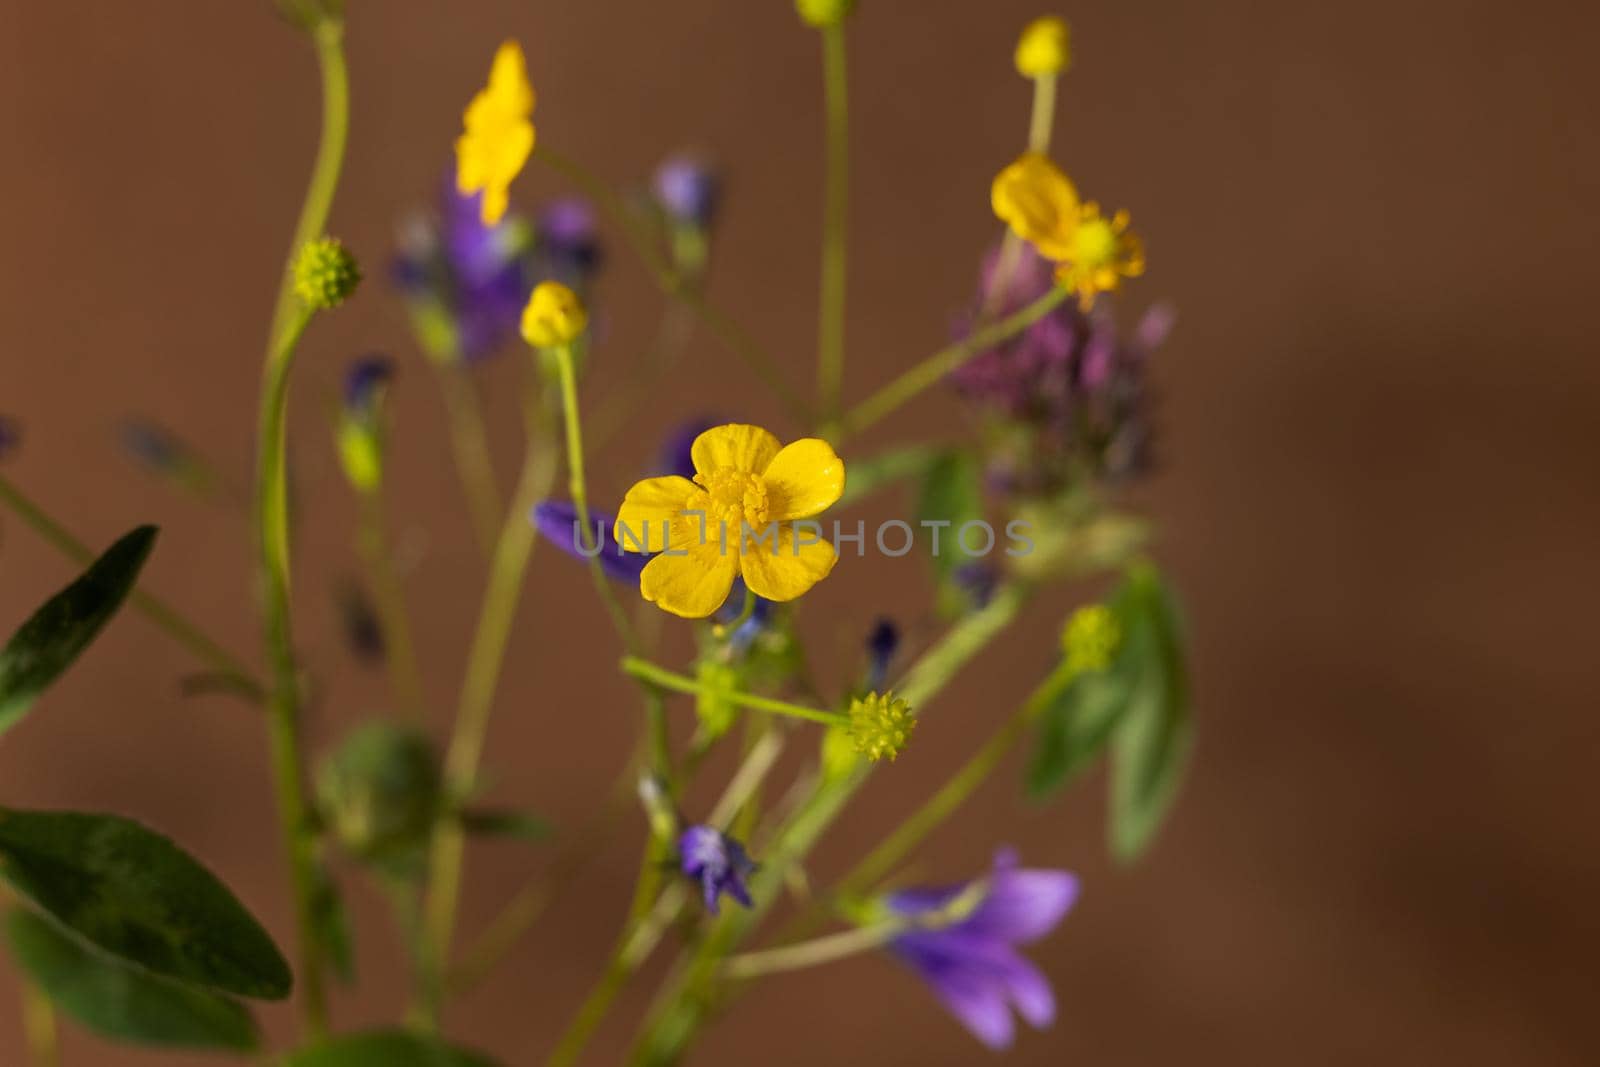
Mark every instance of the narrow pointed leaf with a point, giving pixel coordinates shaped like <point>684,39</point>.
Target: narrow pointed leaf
<point>385,1048</point>
<point>494,822</point>
<point>55,635</point>
<point>121,1002</point>
<point>136,895</point>
<point>1075,730</point>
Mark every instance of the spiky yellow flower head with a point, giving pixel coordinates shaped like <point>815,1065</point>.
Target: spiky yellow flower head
<point>554,316</point>
<point>1040,204</point>
<point>743,515</point>
<point>820,13</point>
<point>325,274</point>
<point>1044,47</point>
<point>1091,639</point>
<point>498,134</point>
<point>1104,252</point>
<point>880,725</point>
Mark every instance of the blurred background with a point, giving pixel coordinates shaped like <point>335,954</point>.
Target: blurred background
<point>1377,484</point>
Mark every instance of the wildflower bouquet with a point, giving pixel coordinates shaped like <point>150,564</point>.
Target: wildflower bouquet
<point>120,930</point>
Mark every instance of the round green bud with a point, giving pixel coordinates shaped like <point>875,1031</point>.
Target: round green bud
<point>880,725</point>
<point>1044,48</point>
<point>1091,638</point>
<point>379,792</point>
<point>360,453</point>
<point>325,274</point>
<point>821,13</point>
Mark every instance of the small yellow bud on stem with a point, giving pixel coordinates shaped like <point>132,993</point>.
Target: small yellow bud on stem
<point>555,316</point>
<point>325,274</point>
<point>880,725</point>
<point>1044,49</point>
<point>823,13</point>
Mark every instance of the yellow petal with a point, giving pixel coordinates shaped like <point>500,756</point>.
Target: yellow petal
<point>1038,202</point>
<point>783,566</point>
<point>804,479</point>
<point>649,504</point>
<point>744,448</point>
<point>694,584</point>
<point>508,79</point>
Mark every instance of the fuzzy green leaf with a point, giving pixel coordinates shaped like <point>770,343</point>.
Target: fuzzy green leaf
<point>138,896</point>
<point>1151,741</point>
<point>385,1048</point>
<point>1075,729</point>
<point>124,1003</point>
<point>58,632</point>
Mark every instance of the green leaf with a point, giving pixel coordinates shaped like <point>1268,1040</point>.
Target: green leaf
<point>121,1002</point>
<point>139,897</point>
<point>491,822</point>
<point>1075,729</point>
<point>1152,738</point>
<point>385,1048</point>
<point>951,495</point>
<point>58,632</point>
<point>332,924</point>
<point>871,474</point>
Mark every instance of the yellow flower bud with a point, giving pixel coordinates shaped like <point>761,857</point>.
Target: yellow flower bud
<point>554,316</point>
<point>880,725</point>
<point>820,13</point>
<point>325,274</point>
<point>1044,47</point>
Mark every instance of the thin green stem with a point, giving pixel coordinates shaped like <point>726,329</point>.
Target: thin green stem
<point>835,223</point>
<point>953,793</point>
<point>813,953</point>
<point>470,443</point>
<point>234,674</point>
<point>934,369</point>
<point>1042,120</point>
<point>679,683</point>
<point>400,651</point>
<point>39,1027</point>
<point>513,548</point>
<point>671,284</point>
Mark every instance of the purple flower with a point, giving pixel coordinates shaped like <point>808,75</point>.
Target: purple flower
<point>882,643</point>
<point>10,436</point>
<point>718,862</point>
<point>363,380</point>
<point>557,521</point>
<point>567,243</point>
<point>972,964</point>
<point>688,191</point>
<point>471,278</point>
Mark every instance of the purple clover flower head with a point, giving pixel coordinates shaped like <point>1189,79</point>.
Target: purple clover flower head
<point>882,643</point>
<point>364,380</point>
<point>557,522</point>
<point>688,190</point>
<point>10,436</point>
<point>567,242</point>
<point>972,963</point>
<point>478,276</point>
<point>718,862</point>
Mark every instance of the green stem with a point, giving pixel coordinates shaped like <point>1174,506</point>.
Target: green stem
<point>934,369</point>
<point>513,548</point>
<point>835,221</point>
<point>813,953</point>
<point>228,669</point>
<point>950,797</point>
<point>400,651</point>
<point>660,676</point>
<point>39,1027</point>
<point>470,443</point>
<point>1041,122</point>
<point>731,334</point>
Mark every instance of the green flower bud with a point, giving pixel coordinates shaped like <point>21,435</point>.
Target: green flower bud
<point>379,792</point>
<point>880,725</point>
<point>1091,639</point>
<point>325,274</point>
<point>839,755</point>
<point>360,453</point>
<point>821,13</point>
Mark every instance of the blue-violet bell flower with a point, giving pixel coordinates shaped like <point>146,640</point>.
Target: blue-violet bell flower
<point>688,191</point>
<point>364,380</point>
<point>719,863</point>
<point>972,963</point>
<point>882,643</point>
<point>557,521</point>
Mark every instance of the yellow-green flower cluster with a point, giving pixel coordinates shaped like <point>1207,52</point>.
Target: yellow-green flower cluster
<point>325,274</point>
<point>880,725</point>
<point>1091,639</point>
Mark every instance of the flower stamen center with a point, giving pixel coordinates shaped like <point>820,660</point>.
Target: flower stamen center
<point>737,497</point>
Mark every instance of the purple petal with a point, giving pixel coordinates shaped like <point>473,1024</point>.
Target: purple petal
<point>972,995</point>
<point>1029,991</point>
<point>1023,905</point>
<point>557,521</point>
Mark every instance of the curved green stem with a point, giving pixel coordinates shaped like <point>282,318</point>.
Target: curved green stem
<point>229,671</point>
<point>679,683</point>
<point>1042,121</point>
<point>835,222</point>
<point>506,569</point>
<point>933,369</point>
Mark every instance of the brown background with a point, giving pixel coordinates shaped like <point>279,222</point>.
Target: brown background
<point>1377,221</point>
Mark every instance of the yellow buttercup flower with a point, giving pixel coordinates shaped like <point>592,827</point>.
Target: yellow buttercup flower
<point>1040,205</point>
<point>1044,47</point>
<point>740,516</point>
<point>554,316</point>
<point>498,134</point>
<point>1103,253</point>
